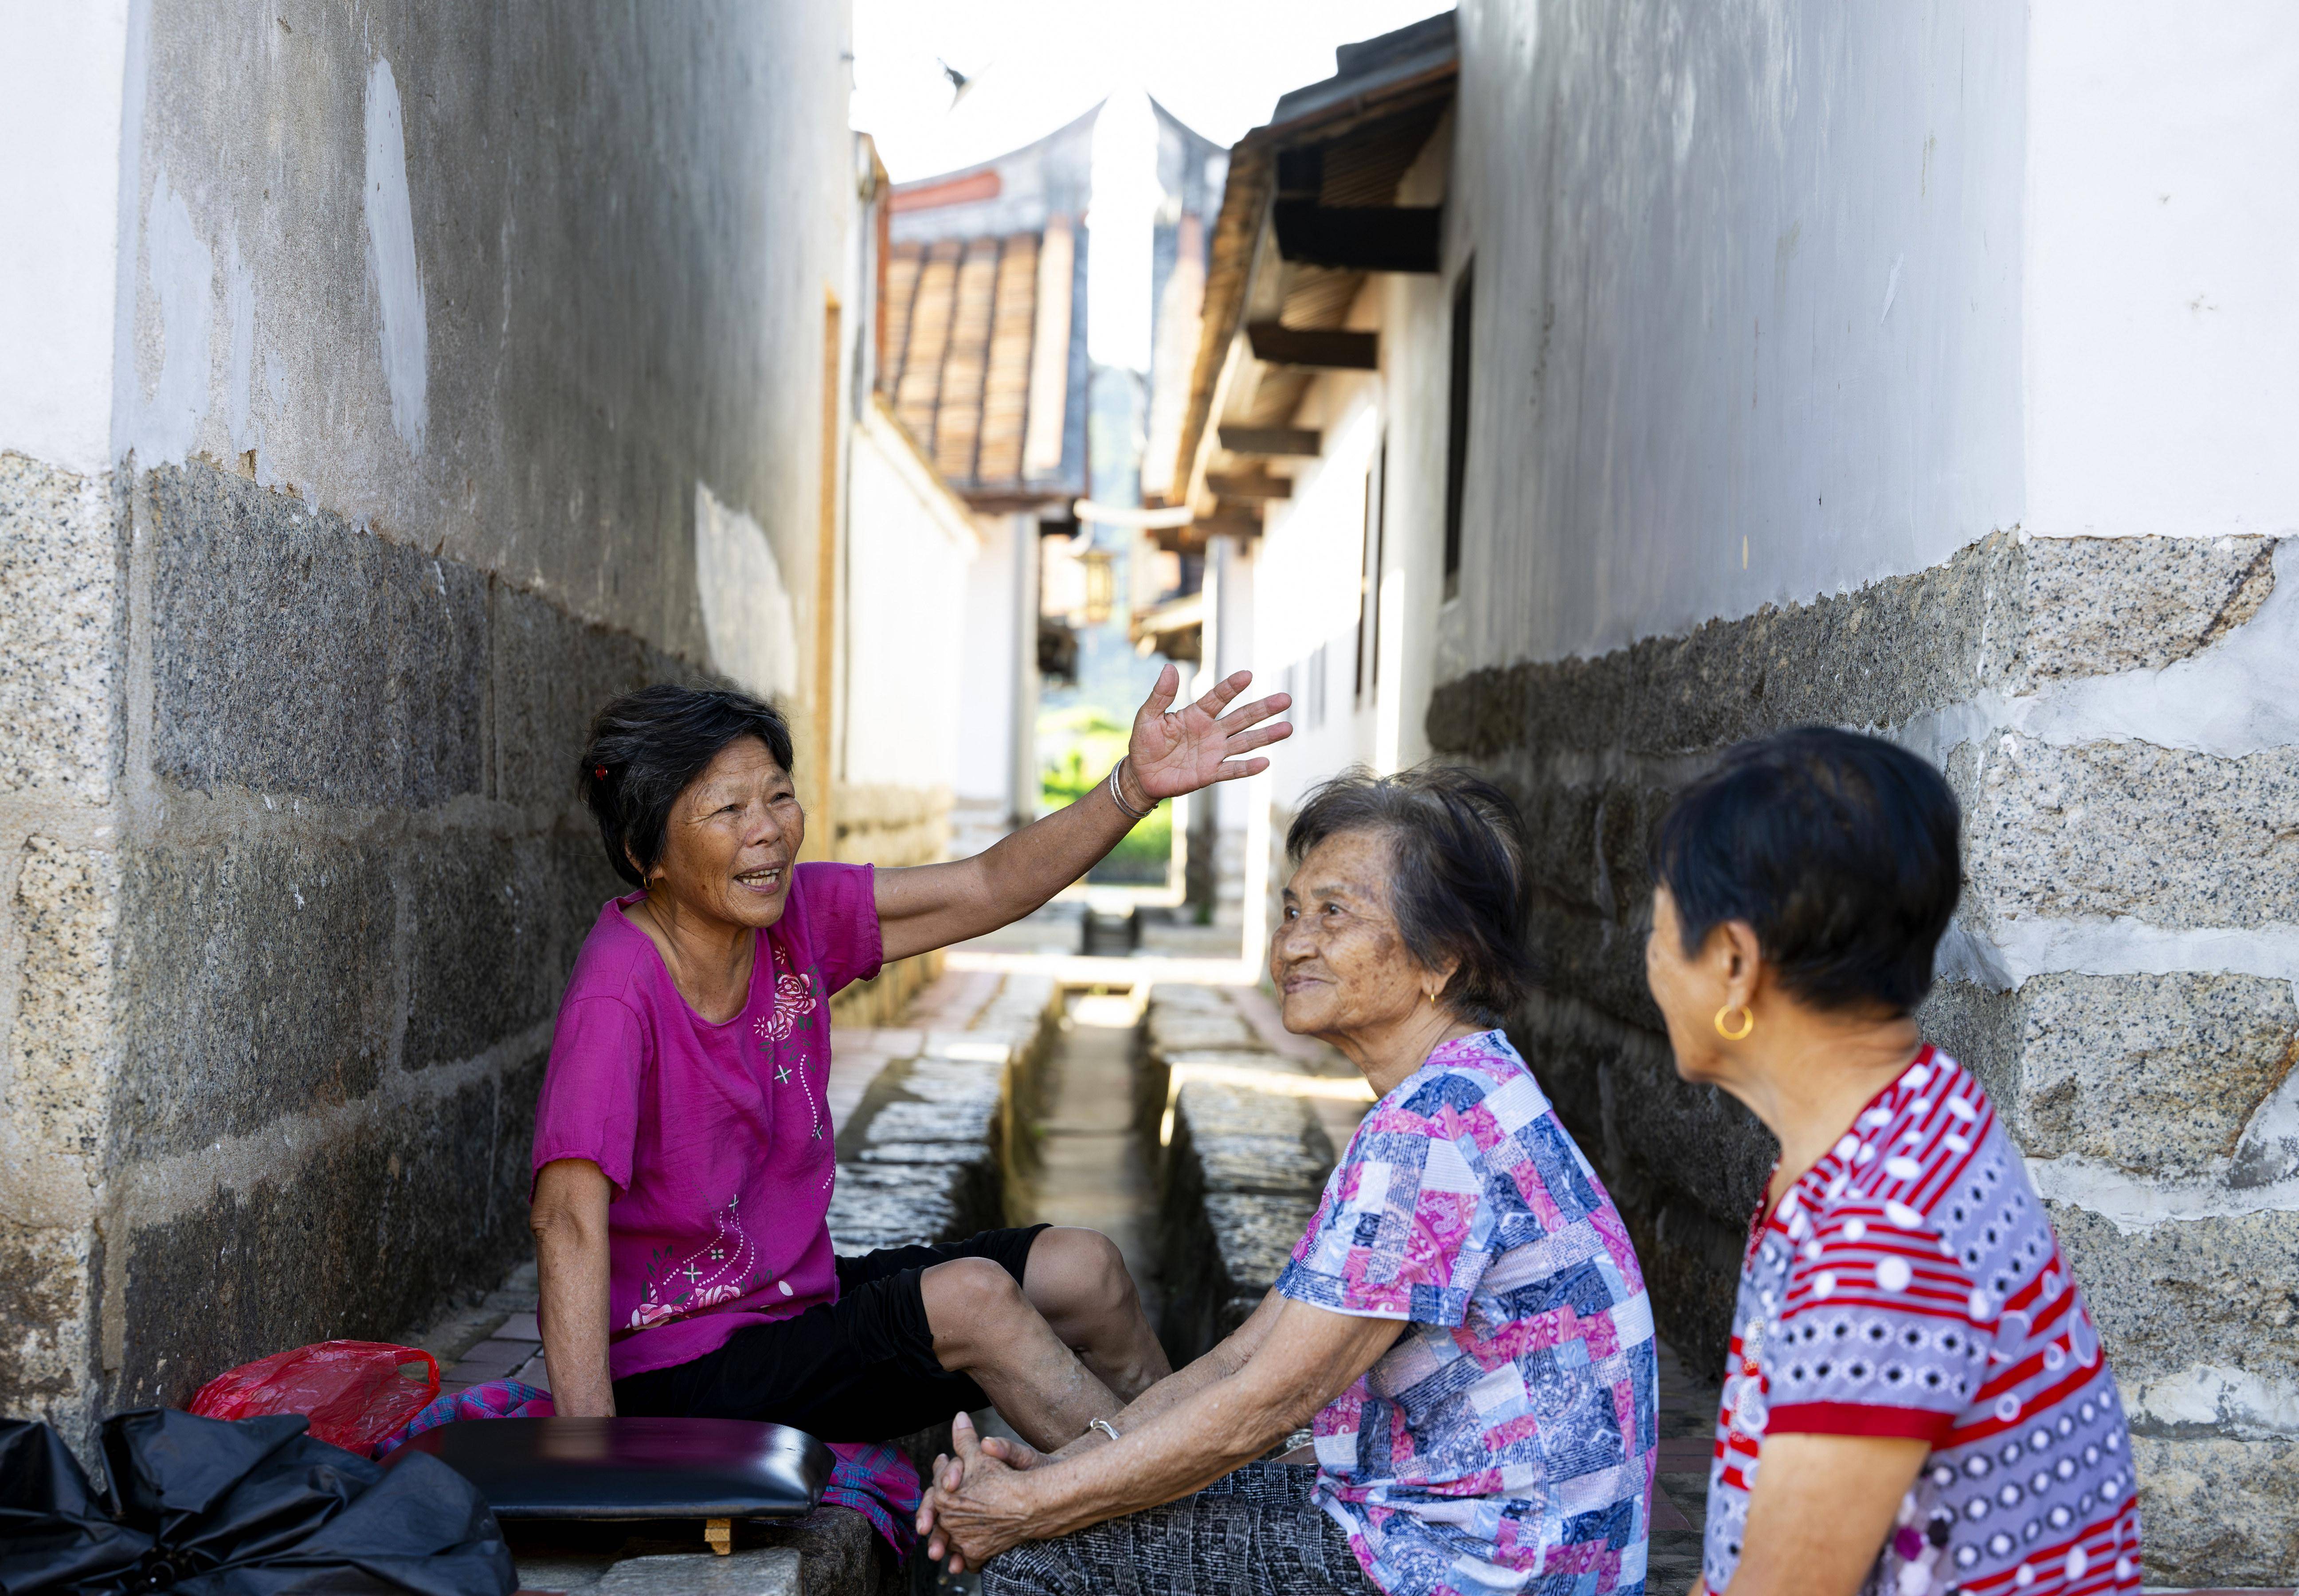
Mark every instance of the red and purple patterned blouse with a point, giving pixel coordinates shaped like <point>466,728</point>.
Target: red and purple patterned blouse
<point>1909,1285</point>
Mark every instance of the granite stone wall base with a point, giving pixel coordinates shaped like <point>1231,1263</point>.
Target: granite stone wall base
<point>2120,974</point>
<point>1239,1164</point>
<point>296,874</point>
<point>2218,1512</point>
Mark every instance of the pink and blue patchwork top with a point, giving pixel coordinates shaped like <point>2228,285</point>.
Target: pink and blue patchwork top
<point>1506,1442</point>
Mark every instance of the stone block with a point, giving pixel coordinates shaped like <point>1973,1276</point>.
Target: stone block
<point>754,1571</point>
<point>1877,657</point>
<point>2102,830</point>
<point>833,1551</point>
<point>1568,1048</point>
<point>2154,1074</point>
<point>1597,961</point>
<point>2003,614</point>
<point>47,1310</point>
<point>1253,1235</point>
<point>63,631</point>
<point>969,1122</point>
<point>896,1205</point>
<point>64,1047</point>
<point>1984,1031</point>
<point>552,675</point>
<point>260,982</point>
<point>495,926</point>
<point>1242,1178</point>
<point>2093,605</point>
<point>1689,1139</point>
<point>1187,995</point>
<point>2221,1292</point>
<point>364,1235</point>
<point>1691,1264</point>
<point>1171,1030</point>
<point>294,654</point>
<point>2218,1512</point>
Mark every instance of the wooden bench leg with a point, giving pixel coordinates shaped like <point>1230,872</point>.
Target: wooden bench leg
<point>720,1534</point>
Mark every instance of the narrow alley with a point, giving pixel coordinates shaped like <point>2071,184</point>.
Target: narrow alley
<point>572,578</point>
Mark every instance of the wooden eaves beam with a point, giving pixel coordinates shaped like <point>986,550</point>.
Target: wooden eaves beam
<point>1276,345</point>
<point>1272,440</point>
<point>1361,237</point>
<point>1257,485</point>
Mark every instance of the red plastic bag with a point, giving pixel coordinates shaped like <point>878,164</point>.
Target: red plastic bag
<point>355,1393</point>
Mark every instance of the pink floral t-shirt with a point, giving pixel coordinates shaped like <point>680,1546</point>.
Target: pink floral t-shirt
<point>717,1138</point>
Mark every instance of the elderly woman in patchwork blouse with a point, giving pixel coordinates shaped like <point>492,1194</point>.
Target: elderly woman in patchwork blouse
<point>1464,1321</point>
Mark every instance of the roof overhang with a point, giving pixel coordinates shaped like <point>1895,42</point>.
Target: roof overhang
<point>1308,211</point>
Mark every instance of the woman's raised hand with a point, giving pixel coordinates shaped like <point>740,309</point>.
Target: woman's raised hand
<point>1180,750</point>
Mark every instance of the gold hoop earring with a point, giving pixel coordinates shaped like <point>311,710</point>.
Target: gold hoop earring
<point>1748,1019</point>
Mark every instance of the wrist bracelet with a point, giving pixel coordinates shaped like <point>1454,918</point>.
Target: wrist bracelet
<point>1104,1426</point>
<point>1117,797</point>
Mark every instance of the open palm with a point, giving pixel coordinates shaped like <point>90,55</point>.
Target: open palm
<point>1180,750</point>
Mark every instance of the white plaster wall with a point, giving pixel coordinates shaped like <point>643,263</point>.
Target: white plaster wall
<point>1310,556</point>
<point>61,74</point>
<point>1000,597</point>
<point>504,282</point>
<point>2162,298</point>
<point>910,557</point>
<point>1748,305</point>
<point>1418,626</point>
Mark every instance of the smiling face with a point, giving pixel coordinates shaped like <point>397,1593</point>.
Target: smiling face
<point>733,835</point>
<point>1338,960</point>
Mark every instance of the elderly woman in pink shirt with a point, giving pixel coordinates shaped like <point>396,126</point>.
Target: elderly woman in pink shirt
<point>683,1148</point>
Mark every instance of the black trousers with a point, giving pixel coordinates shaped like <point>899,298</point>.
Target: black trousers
<point>862,1368</point>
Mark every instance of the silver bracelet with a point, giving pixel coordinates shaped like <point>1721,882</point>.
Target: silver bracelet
<point>1104,1426</point>
<point>1117,797</point>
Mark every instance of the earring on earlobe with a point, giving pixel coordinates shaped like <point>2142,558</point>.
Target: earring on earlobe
<point>1747,1022</point>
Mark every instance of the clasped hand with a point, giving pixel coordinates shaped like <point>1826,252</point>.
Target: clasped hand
<point>976,1505</point>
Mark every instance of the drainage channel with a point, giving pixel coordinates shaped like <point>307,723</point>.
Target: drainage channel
<point>1088,1166</point>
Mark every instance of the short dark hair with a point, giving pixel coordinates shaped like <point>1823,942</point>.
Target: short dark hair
<point>1458,886</point>
<point>648,747</point>
<point>1840,850</point>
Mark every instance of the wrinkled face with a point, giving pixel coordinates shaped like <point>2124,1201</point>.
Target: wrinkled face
<point>1337,962</point>
<point>1690,990</point>
<point>732,837</point>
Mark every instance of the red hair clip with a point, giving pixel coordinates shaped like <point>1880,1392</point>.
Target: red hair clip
<point>599,771</point>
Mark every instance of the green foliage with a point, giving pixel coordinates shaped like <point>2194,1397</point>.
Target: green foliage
<point>1095,742</point>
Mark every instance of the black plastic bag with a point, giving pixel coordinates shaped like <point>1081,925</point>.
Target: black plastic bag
<point>251,1507</point>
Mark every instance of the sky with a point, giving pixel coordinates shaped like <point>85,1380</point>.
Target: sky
<point>1218,65</point>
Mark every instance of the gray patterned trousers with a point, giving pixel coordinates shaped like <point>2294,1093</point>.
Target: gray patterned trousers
<point>1253,1533</point>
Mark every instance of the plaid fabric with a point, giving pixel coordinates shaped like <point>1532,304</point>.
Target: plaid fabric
<point>1253,1533</point>
<point>1507,1440</point>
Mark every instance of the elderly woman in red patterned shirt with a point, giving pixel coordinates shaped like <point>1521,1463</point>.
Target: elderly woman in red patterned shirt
<point>1912,1361</point>
<point>1464,1321</point>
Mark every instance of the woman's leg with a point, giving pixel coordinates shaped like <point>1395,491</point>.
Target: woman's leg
<point>1077,1281</point>
<point>1254,1533</point>
<point>985,1328</point>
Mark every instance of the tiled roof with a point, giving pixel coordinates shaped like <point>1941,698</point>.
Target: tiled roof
<point>983,355</point>
<point>961,316</point>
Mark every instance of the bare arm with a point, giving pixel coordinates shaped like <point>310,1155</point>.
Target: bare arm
<point>1308,1357</point>
<point>569,1221</point>
<point>932,906</point>
<point>1820,1510</point>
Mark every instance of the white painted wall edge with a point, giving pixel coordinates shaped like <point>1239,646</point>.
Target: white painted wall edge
<point>62,76</point>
